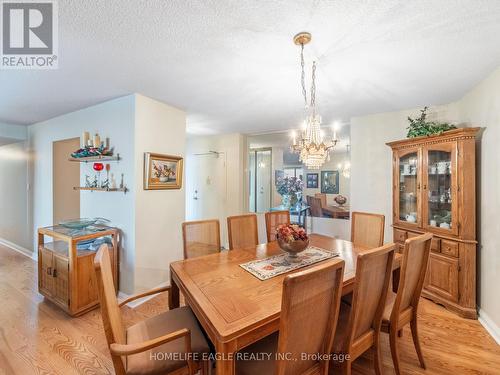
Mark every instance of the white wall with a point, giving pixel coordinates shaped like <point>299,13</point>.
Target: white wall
<point>14,196</point>
<point>371,175</point>
<point>113,119</point>
<point>159,128</point>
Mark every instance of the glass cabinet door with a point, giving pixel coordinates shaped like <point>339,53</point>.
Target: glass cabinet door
<point>440,188</point>
<point>408,187</point>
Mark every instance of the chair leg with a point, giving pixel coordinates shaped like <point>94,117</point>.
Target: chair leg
<point>416,342</point>
<point>346,367</point>
<point>393,338</point>
<point>377,356</point>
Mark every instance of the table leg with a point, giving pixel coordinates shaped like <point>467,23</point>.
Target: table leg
<point>173,295</point>
<point>225,364</point>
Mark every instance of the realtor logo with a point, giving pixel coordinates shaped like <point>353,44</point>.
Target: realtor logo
<point>29,34</point>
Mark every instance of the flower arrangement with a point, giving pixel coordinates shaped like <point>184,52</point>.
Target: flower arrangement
<point>290,233</point>
<point>289,185</point>
<point>162,171</point>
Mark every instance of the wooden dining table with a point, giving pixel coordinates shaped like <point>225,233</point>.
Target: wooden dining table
<point>234,307</point>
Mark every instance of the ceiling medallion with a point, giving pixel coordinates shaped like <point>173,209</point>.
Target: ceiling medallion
<point>313,150</point>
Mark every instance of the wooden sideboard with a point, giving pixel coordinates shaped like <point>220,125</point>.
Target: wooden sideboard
<point>66,275</point>
<point>434,190</point>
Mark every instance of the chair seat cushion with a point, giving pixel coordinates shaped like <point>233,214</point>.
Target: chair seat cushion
<point>265,364</point>
<point>340,340</point>
<point>156,360</point>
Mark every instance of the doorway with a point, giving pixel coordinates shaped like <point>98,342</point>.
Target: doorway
<point>260,170</point>
<point>65,176</point>
<point>206,189</point>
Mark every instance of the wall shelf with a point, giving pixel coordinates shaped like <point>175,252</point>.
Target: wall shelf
<point>96,159</point>
<point>124,189</point>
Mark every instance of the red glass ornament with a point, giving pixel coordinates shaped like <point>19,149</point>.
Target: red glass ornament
<point>98,167</point>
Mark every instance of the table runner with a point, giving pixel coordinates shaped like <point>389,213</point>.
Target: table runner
<point>275,265</point>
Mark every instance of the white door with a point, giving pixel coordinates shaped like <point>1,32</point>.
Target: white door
<point>207,189</point>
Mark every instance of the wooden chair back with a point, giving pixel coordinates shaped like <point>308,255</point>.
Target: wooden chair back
<point>200,238</point>
<point>273,219</point>
<point>242,231</point>
<point>309,311</point>
<point>315,204</point>
<point>373,275</point>
<point>412,274</point>
<point>110,311</point>
<point>322,197</point>
<point>367,229</point>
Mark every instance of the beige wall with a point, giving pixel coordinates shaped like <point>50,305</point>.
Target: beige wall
<point>371,159</point>
<point>235,149</point>
<point>481,107</point>
<point>159,128</point>
<point>371,176</point>
<point>14,223</point>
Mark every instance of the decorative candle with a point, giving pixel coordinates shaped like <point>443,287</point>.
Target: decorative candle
<point>107,143</point>
<point>97,140</point>
<point>90,143</point>
<point>85,139</point>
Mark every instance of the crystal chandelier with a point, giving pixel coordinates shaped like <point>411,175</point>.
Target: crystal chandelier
<point>311,146</point>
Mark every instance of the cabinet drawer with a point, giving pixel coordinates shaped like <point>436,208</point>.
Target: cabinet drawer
<point>449,248</point>
<point>400,235</point>
<point>412,234</point>
<point>436,245</point>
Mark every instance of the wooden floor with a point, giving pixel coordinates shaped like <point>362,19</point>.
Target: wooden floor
<point>37,338</point>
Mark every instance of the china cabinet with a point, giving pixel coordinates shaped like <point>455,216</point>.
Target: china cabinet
<point>434,191</point>
<point>66,273</point>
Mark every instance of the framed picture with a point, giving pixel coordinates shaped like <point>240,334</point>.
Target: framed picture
<point>330,182</point>
<point>162,171</point>
<point>312,180</point>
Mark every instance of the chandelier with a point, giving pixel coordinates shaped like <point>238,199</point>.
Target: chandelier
<point>311,146</point>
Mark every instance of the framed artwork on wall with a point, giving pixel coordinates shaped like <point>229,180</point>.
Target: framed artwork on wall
<point>330,182</point>
<point>162,171</point>
<point>312,180</point>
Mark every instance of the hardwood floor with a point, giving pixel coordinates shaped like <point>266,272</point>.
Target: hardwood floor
<point>38,338</point>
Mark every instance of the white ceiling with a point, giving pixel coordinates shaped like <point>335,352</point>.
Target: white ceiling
<point>233,67</point>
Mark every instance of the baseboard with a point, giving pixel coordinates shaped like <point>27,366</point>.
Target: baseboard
<point>11,245</point>
<point>123,296</point>
<point>489,325</point>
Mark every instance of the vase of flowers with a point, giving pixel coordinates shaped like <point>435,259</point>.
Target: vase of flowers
<point>288,187</point>
<point>292,239</point>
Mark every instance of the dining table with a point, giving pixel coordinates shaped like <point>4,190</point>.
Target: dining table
<point>233,306</point>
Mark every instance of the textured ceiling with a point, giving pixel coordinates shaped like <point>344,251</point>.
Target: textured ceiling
<point>233,67</point>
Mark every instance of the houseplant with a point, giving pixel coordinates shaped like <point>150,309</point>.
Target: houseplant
<point>421,127</point>
<point>288,187</point>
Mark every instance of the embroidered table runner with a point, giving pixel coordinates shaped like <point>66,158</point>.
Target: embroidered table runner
<point>275,265</point>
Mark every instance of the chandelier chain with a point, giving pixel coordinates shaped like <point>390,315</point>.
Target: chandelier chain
<point>303,75</point>
<point>313,89</point>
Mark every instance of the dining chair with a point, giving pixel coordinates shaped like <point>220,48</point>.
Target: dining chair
<point>322,197</point>
<point>309,309</point>
<point>367,229</point>
<point>273,219</point>
<point>242,231</point>
<point>133,349</point>
<point>200,238</point>
<point>401,307</point>
<point>315,204</point>
<point>358,327</point>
